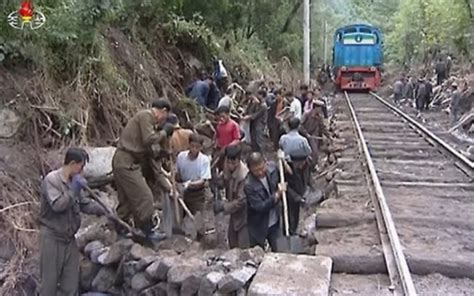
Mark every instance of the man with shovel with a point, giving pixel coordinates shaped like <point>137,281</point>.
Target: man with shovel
<point>235,172</point>
<point>193,173</point>
<point>263,193</point>
<point>61,203</point>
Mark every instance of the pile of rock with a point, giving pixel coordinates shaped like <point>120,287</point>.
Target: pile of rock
<point>177,266</point>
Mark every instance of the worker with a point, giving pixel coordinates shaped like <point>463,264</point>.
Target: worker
<point>420,94</point>
<point>179,140</point>
<point>398,87</point>
<point>455,104</point>
<point>235,172</point>
<point>263,194</point>
<point>139,144</point>
<point>193,174</point>
<point>59,218</point>
<point>429,93</point>
<point>440,69</point>
<point>200,91</point>
<point>220,75</point>
<point>255,117</point>
<point>409,88</point>
<point>293,143</point>
<point>303,94</point>
<point>227,133</point>
<point>296,109</point>
<point>297,175</point>
<point>273,122</point>
<point>314,128</point>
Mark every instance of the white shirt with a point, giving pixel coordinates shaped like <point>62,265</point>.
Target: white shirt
<point>193,170</point>
<point>225,101</point>
<point>296,109</point>
<point>222,69</point>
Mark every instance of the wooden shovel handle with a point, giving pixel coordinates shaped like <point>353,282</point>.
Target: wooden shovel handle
<point>285,202</point>
<point>110,213</point>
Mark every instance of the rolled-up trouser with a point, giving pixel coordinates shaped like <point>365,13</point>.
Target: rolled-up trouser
<point>134,195</point>
<point>59,265</point>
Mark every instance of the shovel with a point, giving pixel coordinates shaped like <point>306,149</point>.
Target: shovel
<point>137,235</point>
<point>287,244</point>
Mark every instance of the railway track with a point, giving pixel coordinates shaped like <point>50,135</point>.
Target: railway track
<point>413,191</point>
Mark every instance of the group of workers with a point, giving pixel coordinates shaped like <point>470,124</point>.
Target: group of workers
<point>421,90</point>
<point>156,159</point>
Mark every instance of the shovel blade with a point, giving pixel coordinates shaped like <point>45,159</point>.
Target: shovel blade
<point>289,244</point>
<point>168,217</point>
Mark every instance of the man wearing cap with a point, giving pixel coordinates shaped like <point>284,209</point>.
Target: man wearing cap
<point>140,143</point>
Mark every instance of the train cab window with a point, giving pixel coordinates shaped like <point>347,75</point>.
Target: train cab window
<point>338,37</point>
<point>365,30</point>
<point>350,30</point>
<point>377,41</point>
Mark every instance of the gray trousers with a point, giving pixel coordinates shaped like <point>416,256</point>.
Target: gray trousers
<point>59,266</point>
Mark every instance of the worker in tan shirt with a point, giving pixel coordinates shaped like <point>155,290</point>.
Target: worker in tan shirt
<point>139,143</point>
<point>179,141</point>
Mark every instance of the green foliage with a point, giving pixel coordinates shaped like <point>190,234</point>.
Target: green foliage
<point>427,26</point>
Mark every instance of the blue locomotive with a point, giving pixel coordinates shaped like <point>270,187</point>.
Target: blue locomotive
<point>358,57</point>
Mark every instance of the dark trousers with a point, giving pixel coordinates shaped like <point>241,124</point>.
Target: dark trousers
<point>440,78</point>
<point>293,216</point>
<point>420,103</point>
<point>59,266</point>
<point>134,195</point>
<point>274,233</point>
<point>238,238</point>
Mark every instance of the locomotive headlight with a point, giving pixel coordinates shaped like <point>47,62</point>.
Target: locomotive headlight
<point>372,69</point>
<point>343,69</point>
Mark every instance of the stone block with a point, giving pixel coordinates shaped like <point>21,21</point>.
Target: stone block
<point>236,279</point>
<point>254,254</point>
<point>96,253</point>
<point>129,270</point>
<point>145,262</point>
<point>140,282</point>
<point>88,272</point>
<point>104,280</point>
<point>287,274</point>
<point>159,269</point>
<point>138,252</point>
<point>209,283</point>
<point>156,290</point>
<point>115,252</point>
<point>93,245</point>
<point>187,275</point>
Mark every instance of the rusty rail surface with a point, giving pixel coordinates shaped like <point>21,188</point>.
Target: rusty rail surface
<point>396,263</point>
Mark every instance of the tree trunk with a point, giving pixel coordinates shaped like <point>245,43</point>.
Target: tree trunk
<point>290,17</point>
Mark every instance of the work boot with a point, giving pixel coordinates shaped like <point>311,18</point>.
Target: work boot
<point>152,232</point>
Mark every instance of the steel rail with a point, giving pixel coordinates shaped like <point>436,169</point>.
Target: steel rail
<point>468,166</point>
<point>396,247</point>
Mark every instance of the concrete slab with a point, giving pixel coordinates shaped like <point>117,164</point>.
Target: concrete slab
<point>287,274</point>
